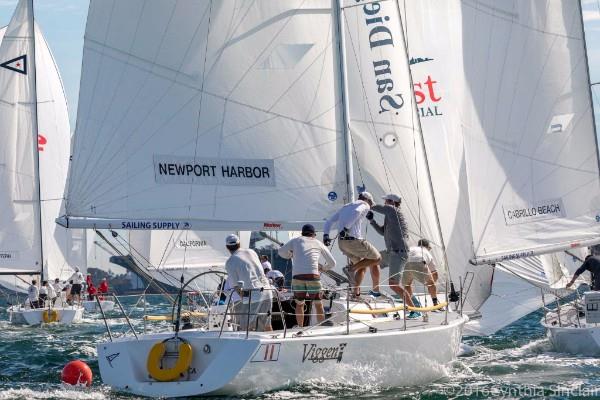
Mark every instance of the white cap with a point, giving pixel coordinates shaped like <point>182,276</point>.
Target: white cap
<point>392,197</point>
<point>232,239</point>
<point>367,196</point>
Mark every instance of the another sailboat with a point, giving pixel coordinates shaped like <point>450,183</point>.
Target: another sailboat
<point>34,157</point>
<point>253,115</point>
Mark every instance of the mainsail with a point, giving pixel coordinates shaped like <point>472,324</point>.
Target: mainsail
<point>29,238</point>
<point>288,95</point>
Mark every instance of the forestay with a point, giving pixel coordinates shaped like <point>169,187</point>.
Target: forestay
<point>531,153</point>
<point>208,115</point>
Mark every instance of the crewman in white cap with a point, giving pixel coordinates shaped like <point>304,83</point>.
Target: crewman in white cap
<point>245,274</point>
<point>362,254</point>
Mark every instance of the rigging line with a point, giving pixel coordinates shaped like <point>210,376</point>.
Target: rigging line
<point>155,105</point>
<point>321,74</point>
<point>138,256</point>
<point>364,91</point>
<point>412,123</point>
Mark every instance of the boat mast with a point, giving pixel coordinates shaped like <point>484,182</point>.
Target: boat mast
<point>344,95</point>
<point>587,71</point>
<point>36,154</point>
<point>416,112</point>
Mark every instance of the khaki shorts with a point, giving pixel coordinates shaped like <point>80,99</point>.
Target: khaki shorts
<point>395,261</point>
<point>257,322</point>
<point>417,271</point>
<point>358,249</point>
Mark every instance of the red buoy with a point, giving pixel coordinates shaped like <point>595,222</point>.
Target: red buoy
<point>77,373</point>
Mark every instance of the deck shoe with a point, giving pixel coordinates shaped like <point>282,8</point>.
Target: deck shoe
<point>374,293</point>
<point>413,315</point>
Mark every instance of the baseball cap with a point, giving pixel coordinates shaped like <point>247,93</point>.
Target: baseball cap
<point>367,196</point>
<point>393,197</point>
<point>308,228</point>
<point>232,239</point>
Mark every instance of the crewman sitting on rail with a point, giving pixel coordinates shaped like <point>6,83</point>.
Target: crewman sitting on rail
<point>305,252</point>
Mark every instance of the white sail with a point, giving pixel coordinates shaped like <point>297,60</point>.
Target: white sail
<point>20,237</point>
<point>438,80</point>
<point>532,161</point>
<point>223,116</point>
<point>387,145</point>
<point>61,247</point>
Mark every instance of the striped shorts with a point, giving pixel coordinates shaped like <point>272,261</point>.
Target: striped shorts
<point>307,287</point>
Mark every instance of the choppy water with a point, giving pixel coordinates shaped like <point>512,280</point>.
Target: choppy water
<point>517,362</point>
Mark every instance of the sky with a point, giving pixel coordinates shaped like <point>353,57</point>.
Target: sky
<point>63,24</point>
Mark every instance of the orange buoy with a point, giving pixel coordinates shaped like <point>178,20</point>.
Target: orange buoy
<point>77,373</point>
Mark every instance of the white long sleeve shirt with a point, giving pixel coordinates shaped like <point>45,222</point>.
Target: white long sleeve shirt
<point>33,293</point>
<point>244,265</point>
<point>305,253</point>
<point>350,216</point>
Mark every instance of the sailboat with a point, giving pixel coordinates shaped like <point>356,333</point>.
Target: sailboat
<point>34,157</point>
<point>503,96</point>
<point>254,116</point>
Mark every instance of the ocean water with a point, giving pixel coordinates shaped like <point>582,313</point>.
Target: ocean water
<point>517,362</point>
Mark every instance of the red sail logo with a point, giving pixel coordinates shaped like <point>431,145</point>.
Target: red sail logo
<point>41,142</point>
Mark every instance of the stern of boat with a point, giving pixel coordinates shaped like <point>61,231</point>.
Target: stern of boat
<point>215,362</point>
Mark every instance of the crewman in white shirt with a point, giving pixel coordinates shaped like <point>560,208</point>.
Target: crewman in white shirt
<point>420,266</point>
<point>244,267</point>
<point>33,294</point>
<point>305,252</point>
<point>362,254</point>
<point>76,287</point>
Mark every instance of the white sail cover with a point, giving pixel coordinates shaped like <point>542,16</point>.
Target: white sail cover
<point>208,115</point>
<point>20,237</point>
<point>439,85</point>
<point>532,161</point>
<point>386,139</point>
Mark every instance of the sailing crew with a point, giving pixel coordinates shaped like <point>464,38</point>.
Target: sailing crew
<point>305,252</point>
<point>395,235</point>
<point>362,254</point>
<point>264,261</point>
<point>592,264</point>
<point>46,293</point>
<point>77,281</point>
<point>245,275</point>
<point>33,294</point>
<point>92,291</point>
<point>58,288</point>
<point>276,277</point>
<point>420,266</point>
<point>103,288</point>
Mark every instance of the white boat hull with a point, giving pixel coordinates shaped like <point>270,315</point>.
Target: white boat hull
<point>35,316</point>
<point>573,335</point>
<point>91,306</point>
<point>232,364</point>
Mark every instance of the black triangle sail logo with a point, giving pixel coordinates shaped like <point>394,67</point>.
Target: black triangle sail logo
<point>18,64</point>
